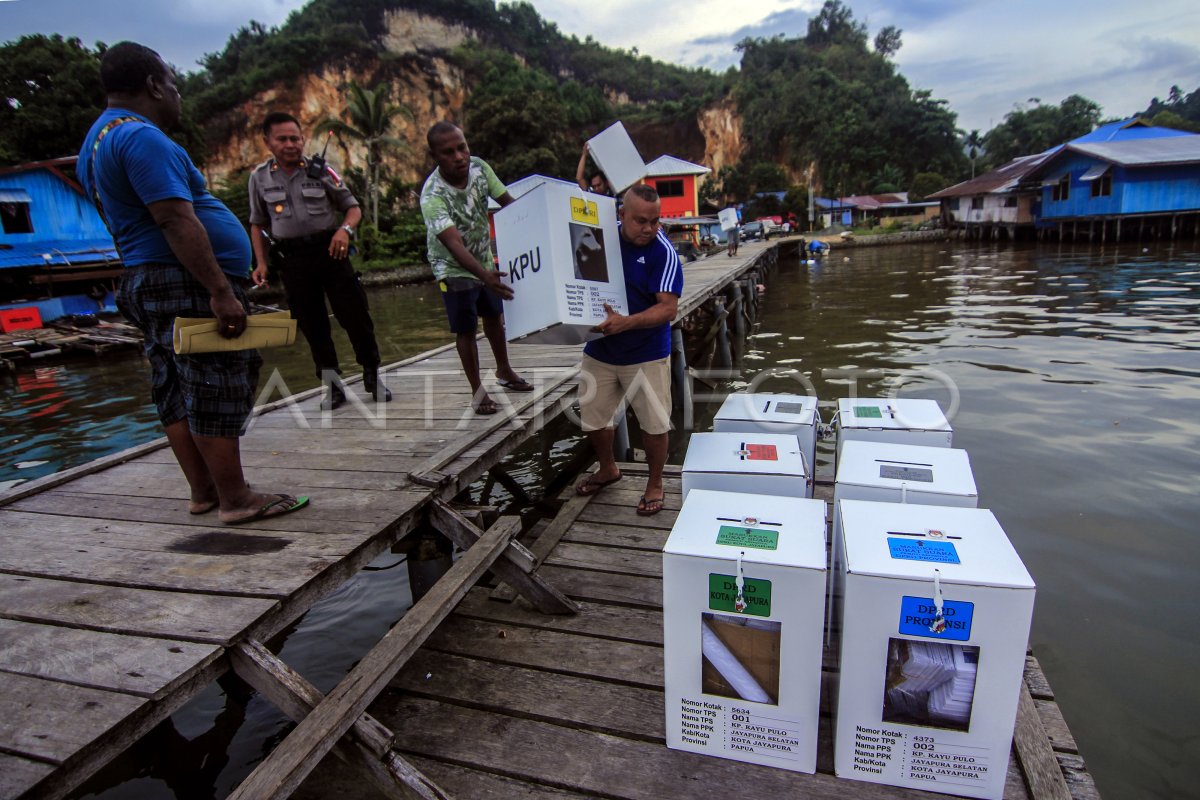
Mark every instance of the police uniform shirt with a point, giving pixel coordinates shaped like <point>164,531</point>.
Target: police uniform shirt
<point>290,206</point>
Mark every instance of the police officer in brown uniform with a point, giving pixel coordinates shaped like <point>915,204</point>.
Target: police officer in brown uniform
<point>301,213</point>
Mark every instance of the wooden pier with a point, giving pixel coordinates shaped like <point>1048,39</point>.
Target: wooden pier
<point>507,702</point>
<point>117,607</point>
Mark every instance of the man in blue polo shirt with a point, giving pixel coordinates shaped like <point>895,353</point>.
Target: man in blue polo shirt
<point>633,360</point>
<point>185,255</point>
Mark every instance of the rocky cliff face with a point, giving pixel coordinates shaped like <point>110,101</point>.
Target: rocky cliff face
<point>433,89</point>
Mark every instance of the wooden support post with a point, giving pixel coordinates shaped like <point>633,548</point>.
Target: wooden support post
<point>736,310</point>
<point>281,772</point>
<point>548,540</point>
<point>516,567</point>
<point>750,293</point>
<point>510,483</point>
<point>369,745</point>
<point>724,353</point>
<point>681,382</point>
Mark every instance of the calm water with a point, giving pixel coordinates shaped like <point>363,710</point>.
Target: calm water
<point>1072,377</point>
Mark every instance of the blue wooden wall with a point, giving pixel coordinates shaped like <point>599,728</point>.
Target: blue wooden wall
<point>1140,190</point>
<point>56,210</point>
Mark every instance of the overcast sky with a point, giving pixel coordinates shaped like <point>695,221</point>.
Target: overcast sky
<point>984,57</point>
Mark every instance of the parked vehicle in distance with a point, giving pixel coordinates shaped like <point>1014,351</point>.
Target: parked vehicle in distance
<point>753,230</point>
<point>770,227</point>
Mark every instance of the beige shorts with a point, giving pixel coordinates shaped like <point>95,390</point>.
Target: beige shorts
<point>646,387</point>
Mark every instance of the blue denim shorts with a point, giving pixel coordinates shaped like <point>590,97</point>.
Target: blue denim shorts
<point>466,301</point>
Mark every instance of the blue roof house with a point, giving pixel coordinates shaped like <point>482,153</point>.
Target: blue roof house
<point>1120,178</point>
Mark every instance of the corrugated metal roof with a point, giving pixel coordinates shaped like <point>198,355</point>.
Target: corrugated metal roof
<point>1003,179</point>
<point>58,253</point>
<point>1095,171</point>
<point>1132,128</point>
<point>14,196</point>
<point>666,166</point>
<point>1144,152</point>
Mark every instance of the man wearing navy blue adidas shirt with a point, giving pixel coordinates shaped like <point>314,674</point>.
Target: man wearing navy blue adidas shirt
<point>632,362</point>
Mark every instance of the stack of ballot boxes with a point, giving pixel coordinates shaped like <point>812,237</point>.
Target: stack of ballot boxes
<point>757,463</point>
<point>743,586</point>
<point>900,421</point>
<point>559,248</point>
<point>897,473</point>
<point>934,624</point>
<point>789,414</point>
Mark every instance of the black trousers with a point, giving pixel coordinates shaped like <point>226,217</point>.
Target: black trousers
<point>310,275</point>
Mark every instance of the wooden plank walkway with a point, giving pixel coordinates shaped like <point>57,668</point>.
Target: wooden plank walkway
<point>117,606</point>
<point>504,702</point>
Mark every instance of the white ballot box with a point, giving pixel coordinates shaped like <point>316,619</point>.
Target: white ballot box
<point>791,414</point>
<point>617,156</point>
<point>897,473</point>
<point>755,463</point>
<point>559,248</point>
<point>934,626</point>
<point>902,421</point>
<point>728,219</point>
<point>743,584</point>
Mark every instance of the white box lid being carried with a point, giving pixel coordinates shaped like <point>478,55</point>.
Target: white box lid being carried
<point>728,218</point>
<point>783,409</point>
<point>938,470</point>
<point>745,454</point>
<point>765,529</point>
<point>898,540</point>
<point>617,157</point>
<point>905,414</point>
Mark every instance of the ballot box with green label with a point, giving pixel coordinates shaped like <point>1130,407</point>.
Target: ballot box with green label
<point>790,414</point>
<point>743,587</point>
<point>759,463</point>
<point>934,628</point>
<point>897,473</point>
<point>896,420</point>
<point>558,247</point>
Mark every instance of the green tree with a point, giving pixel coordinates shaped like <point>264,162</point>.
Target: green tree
<point>1034,130</point>
<point>50,95</point>
<point>371,117</point>
<point>887,41</point>
<point>924,184</point>
<point>1169,119</point>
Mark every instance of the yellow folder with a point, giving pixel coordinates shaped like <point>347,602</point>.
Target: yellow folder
<point>273,329</point>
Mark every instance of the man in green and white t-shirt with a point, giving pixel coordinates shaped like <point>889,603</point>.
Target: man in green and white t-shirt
<point>454,204</point>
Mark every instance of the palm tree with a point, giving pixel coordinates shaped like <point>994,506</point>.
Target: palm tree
<point>371,117</point>
<point>973,141</point>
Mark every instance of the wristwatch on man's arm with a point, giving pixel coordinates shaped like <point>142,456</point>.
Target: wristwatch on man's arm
<point>348,230</point>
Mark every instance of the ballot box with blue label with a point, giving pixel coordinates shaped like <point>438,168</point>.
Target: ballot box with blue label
<point>758,463</point>
<point>897,473</point>
<point>895,420</point>
<point>790,414</point>
<point>743,587</point>
<point>934,625</point>
<point>558,248</point>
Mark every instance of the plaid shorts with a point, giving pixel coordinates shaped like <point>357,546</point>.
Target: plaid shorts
<point>214,392</point>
